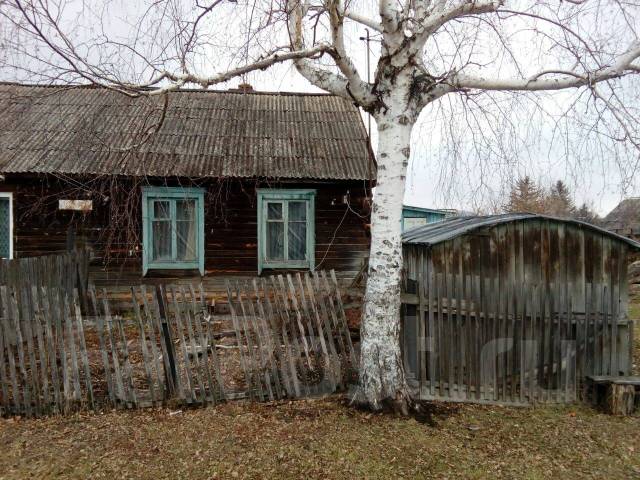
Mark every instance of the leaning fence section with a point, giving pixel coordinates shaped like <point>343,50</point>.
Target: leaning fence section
<point>285,336</point>
<point>464,341</point>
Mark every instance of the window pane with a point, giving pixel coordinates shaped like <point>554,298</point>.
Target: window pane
<point>274,211</point>
<point>186,241</point>
<point>161,239</point>
<point>186,209</point>
<point>297,240</point>
<point>5,228</point>
<point>297,211</point>
<point>275,241</point>
<point>161,209</point>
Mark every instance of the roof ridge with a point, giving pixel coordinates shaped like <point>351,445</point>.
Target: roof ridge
<point>449,228</point>
<point>90,86</point>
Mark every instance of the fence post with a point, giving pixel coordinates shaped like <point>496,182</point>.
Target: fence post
<point>172,374</point>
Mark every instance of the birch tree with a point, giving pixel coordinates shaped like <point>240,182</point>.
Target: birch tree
<point>430,51</point>
<point>409,76</point>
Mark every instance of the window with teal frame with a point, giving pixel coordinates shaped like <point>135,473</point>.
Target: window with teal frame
<point>6,225</point>
<point>172,228</point>
<point>286,229</point>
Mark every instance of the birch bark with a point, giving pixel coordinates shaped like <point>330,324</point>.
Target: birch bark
<point>382,377</point>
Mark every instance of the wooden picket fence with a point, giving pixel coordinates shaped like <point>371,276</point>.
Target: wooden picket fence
<point>67,271</point>
<point>462,344</point>
<point>285,337</point>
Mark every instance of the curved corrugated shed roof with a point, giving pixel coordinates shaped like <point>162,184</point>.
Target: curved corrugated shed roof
<point>450,228</point>
<point>88,130</point>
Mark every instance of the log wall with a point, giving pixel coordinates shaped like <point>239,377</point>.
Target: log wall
<point>342,235</point>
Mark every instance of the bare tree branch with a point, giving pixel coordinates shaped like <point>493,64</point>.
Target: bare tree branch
<point>621,67</point>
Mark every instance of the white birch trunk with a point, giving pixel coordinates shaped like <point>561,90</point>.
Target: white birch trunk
<point>382,378</point>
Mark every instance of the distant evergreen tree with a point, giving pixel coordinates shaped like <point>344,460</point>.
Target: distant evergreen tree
<point>525,196</point>
<point>559,202</point>
<point>585,214</point>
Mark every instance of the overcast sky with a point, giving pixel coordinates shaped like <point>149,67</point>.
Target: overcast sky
<point>450,167</point>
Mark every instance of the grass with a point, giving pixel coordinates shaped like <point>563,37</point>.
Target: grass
<point>326,439</point>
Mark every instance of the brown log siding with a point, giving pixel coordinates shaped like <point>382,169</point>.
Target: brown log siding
<point>342,235</point>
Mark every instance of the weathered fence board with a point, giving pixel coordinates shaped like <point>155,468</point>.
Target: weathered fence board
<point>62,349</point>
<point>531,347</point>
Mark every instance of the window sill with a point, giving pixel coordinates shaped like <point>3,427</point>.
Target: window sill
<point>160,267</point>
<point>285,266</point>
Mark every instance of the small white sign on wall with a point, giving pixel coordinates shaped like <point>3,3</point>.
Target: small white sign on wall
<point>78,205</point>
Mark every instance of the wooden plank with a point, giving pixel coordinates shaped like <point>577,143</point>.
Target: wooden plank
<point>598,325</point>
<point>119,383</point>
<point>260,352</point>
<point>188,319</point>
<point>289,327</point>
<point>49,346</point>
<point>326,305</point>
<point>326,346</point>
<point>314,329</point>
<point>7,332</point>
<point>26,314</point>
<point>38,318</point>
<point>527,384</point>
<point>99,320</point>
<point>4,379</point>
<point>177,314</point>
<point>298,316</point>
<point>279,309</point>
<point>83,348</point>
<point>273,323</point>
<point>75,370</point>
<point>431,329</point>
<point>299,291</point>
<point>130,388</point>
<point>57,311</point>
<point>320,301</point>
<point>244,362</point>
<point>440,348</point>
<point>198,318</point>
<point>143,345</point>
<point>152,309</point>
<point>14,315</point>
<point>221,389</point>
<point>272,346</point>
<point>605,337</point>
<point>155,336</point>
<point>626,336</point>
<point>340,310</point>
<point>255,360</point>
<point>463,391</point>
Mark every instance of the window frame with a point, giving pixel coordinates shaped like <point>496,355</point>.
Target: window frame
<point>267,195</point>
<point>150,194</point>
<point>9,195</point>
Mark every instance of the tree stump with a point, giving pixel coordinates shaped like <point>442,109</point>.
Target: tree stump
<point>620,399</point>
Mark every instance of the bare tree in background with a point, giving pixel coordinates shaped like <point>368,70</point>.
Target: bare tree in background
<point>431,53</point>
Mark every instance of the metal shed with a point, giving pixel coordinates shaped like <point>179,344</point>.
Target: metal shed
<point>514,308</point>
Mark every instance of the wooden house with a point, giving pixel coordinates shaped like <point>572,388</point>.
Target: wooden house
<point>514,308</point>
<point>194,183</point>
<point>418,216</point>
<point>625,218</point>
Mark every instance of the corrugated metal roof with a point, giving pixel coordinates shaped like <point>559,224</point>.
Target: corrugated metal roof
<point>450,228</point>
<point>87,130</point>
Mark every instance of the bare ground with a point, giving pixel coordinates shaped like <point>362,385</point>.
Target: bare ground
<point>326,439</point>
